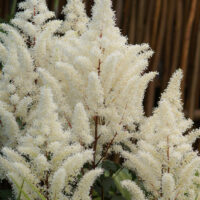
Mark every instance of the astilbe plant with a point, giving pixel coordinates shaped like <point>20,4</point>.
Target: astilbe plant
<point>164,159</point>
<point>71,95</point>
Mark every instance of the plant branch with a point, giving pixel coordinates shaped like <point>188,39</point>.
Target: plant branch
<point>96,120</point>
<point>106,152</point>
<point>168,170</point>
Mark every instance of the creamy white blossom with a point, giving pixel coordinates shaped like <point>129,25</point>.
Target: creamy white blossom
<point>134,190</point>
<point>42,165</point>
<point>80,125</point>
<point>164,158</point>
<point>71,93</point>
<point>75,17</point>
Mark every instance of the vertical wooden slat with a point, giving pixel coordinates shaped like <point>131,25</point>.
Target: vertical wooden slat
<point>126,13</point>
<point>1,9</point>
<point>6,9</point>
<point>119,8</point>
<point>177,35</point>
<point>149,20</point>
<point>194,61</point>
<point>132,28</point>
<point>195,78</point>
<point>140,21</point>
<point>155,23</point>
<point>157,56</point>
<point>186,43</point>
<point>168,43</point>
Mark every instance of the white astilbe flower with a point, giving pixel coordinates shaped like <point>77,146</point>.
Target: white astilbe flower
<point>17,84</point>
<point>23,70</point>
<point>41,145</point>
<point>71,94</point>
<point>134,190</point>
<point>8,127</point>
<point>164,150</point>
<point>107,76</point>
<point>80,125</point>
<point>42,50</point>
<point>96,68</point>
<point>58,183</point>
<point>75,17</point>
<point>23,106</point>
<point>74,164</point>
<point>83,191</point>
<point>59,97</point>
<point>168,186</point>
<point>31,43</point>
<point>3,53</point>
<point>33,16</point>
<point>94,92</point>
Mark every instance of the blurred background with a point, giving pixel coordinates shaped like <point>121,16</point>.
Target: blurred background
<point>171,27</point>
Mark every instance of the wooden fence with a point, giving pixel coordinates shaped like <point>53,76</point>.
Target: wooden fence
<point>171,27</point>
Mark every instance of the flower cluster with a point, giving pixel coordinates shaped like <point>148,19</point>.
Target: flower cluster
<point>165,160</point>
<point>71,94</point>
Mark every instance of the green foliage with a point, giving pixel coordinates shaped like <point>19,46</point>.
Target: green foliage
<point>20,123</point>
<point>20,188</point>
<point>20,192</point>
<point>35,190</point>
<point>108,186</point>
<point>5,194</point>
<point>13,8</point>
<point>120,175</point>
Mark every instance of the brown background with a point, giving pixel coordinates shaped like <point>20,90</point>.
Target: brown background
<point>171,27</point>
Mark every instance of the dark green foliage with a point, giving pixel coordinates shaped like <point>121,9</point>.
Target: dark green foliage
<point>5,191</point>
<point>5,194</point>
<point>107,186</point>
<point>20,192</point>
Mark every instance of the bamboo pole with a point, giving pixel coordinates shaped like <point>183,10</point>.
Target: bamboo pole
<point>149,20</point>
<point>168,43</point>
<point>186,44</point>
<point>193,97</point>
<point>194,79</point>
<point>177,36</point>
<point>140,21</point>
<point>126,13</point>
<point>132,29</point>
<point>155,63</point>
<point>6,9</point>
<point>119,7</point>
<point>1,9</point>
<point>155,23</point>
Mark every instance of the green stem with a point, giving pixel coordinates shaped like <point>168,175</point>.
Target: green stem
<point>56,6</point>
<point>13,8</point>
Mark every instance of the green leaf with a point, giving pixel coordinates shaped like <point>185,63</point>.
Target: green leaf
<point>117,198</point>
<point>107,184</point>
<point>35,189</point>
<point>97,198</point>
<point>20,123</point>
<point>19,188</point>
<point>110,166</point>
<point>197,173</point>
<point>120,175</point>
<point>20,192</point>
<point>5,194</point>
<point>13,8</point>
